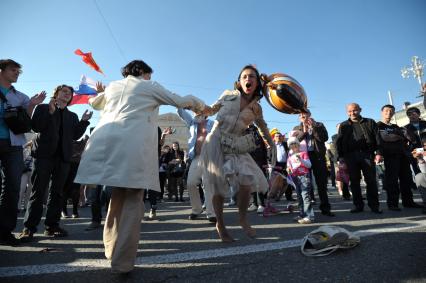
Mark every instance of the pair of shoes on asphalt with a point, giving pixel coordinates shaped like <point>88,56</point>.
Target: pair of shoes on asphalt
<point>152,214</point>
<point>26,236</point>
<point>193,216</point>
<point>304,220</point>
<point>212,219</point>
<point>252,207</point>
<point>93,226</point>
<point>64,215</point>
<point>9,239</point>
<point>300,219</point>
<point>56,232</point>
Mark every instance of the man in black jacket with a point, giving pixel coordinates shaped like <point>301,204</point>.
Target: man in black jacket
<point>418,127</point>
<point>56,127</point>
<point>315,134</point>
<point>356,146</point>
<point>392,141</point>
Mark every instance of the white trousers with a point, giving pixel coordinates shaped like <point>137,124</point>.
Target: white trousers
<point>195,178</point>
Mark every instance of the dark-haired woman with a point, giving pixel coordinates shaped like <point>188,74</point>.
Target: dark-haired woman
<point>55,127</point>
<point>236,109</point>
<point>176,172</point>
<point>121,153</point>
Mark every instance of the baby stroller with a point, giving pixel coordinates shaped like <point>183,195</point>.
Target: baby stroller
<point>278,184</point>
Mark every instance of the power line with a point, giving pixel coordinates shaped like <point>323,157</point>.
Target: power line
<point>110,31</point>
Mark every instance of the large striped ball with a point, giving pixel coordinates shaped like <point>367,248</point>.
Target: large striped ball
<point>285,94</point>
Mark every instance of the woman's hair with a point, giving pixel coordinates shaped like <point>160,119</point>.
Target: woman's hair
<point>136,68</point>
<point>58,88</point>
<point>258,90</point>
<point>176,143</point>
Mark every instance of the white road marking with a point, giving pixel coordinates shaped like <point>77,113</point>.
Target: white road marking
<point>86,265</point>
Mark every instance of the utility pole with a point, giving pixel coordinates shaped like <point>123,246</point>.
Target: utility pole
<point>391,103</point>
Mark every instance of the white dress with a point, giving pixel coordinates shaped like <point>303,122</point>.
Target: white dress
<point>237,169</point>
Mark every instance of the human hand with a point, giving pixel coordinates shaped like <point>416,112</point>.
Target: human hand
<point>167,131</point>
<point>38,98</point>
<point>86,115</point>
<point>52,105</point>
<point>100,87</point>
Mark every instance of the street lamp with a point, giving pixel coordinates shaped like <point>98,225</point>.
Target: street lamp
<point>416,70</point>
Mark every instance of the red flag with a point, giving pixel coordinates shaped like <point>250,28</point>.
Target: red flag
<point>88,59</point>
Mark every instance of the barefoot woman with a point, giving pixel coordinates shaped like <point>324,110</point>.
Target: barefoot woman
<point>236,110</point>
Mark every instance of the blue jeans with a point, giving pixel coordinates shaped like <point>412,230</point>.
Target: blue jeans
<point>303,184</point>
<point>12,165</point>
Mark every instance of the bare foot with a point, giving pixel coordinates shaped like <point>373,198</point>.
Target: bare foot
<point>250,232</point>
<point>223,235</point>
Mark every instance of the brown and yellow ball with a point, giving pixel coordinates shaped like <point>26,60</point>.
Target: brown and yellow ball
<point>284,93</point>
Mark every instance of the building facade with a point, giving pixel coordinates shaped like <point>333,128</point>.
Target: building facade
<point>181,135</point>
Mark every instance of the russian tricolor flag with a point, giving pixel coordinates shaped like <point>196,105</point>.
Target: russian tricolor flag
<point>86,90</point>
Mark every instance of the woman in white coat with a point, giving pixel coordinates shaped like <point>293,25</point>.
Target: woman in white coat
<point>121,152</point>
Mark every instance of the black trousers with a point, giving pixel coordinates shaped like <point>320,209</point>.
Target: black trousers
<point>71,190</point>
<point>152,197</point>
<point>46,170</point>
<point>163,179</point>
<point>319,168</point>
<point>397,167</point>
<point>99,196</point>
<point>362,161</point>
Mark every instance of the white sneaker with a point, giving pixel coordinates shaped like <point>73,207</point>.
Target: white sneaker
<point>297,218</point>
<point>252,207</point>
<point>152,214</point>
<point>305,220</point>
<point>260,209</point>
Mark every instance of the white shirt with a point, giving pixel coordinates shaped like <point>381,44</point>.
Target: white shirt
<point>281,153</point>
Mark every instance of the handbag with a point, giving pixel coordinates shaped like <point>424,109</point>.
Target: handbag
<point>16,118</point>
<point>177,170</point>
<point>237,144</point>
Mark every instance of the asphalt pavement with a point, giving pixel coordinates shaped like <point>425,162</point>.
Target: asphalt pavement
<point>176,249</point>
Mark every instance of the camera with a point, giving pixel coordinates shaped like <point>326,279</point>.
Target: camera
<point>419,150</point>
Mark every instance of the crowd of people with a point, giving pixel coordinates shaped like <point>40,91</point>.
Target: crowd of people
<point>233,156</point>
